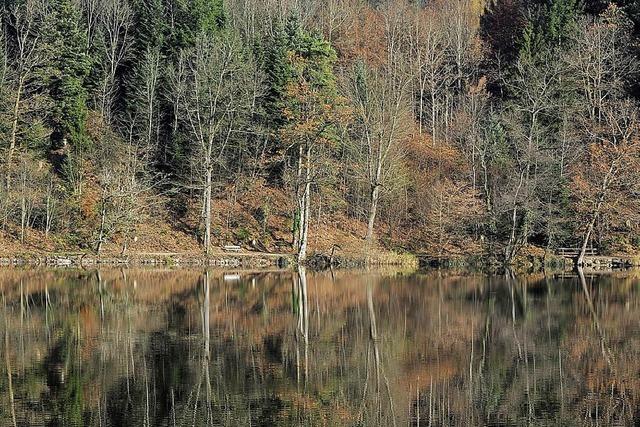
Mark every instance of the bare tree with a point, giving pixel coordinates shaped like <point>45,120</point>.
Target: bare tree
<point>383,121</point>
<point>603,64</point>
<point>216,96</point>
<point>128,191</point>
<point>610,164</point>
<point>461,23</point>
<point>430,66</point>
<point>4,59</point>
<point>33,198</point>
<point>246,15</point>
<point>535,85</point>
<point>116,20</point>
<point>27,55</point>
<point>469,126</point>
<point>601,60</point>
<point>91,10</point>
<point>146,111</point>
<point>335,14</point>
<point>51,203</point>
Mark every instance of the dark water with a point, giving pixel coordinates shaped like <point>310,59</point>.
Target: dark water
<point>185,348</point>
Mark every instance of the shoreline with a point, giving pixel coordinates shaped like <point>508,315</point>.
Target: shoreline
<point>81,259</point>
<point>261,260</point>
<point>219,258</point>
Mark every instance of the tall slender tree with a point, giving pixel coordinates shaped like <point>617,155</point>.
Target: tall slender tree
<point>21,70</point>
<point>69,68</point>
<point>214,83</point>
<point>382,123</point>
<point>311,108</point>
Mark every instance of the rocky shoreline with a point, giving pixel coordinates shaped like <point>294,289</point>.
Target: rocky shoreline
<point>83,260</point>
<point>240,259</point>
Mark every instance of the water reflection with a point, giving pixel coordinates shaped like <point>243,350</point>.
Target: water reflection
<point>174,348</point>
<point>301,308</point>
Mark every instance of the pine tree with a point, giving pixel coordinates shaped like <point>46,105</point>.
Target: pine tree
<point>550,27</point>
<point>310,110</point>
<point>278,72</point>
<point>209,15</point>
<point>4,91</point>
<point>68,70</point>
<point>150,25</point>
<point>561,18</point>
<point>289,55</point>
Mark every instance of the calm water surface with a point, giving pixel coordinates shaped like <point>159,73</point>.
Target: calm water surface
<point>193,348</point>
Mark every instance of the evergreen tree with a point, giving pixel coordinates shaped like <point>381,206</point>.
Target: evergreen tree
<point>290,55</point>
<point>278,72</point>
<point>68,70</point>
<point>550,26</point>
<point>150,25</point>
<point>4,92</point>
<point>310,111</point>
<point>209,15</point>
<point>561,20</point>
<point>150,29</point>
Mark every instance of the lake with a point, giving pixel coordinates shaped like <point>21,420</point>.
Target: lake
<point>364,348</point>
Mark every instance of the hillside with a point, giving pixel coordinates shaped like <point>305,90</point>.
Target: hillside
<point>235,222</point>
<point>448,128</point>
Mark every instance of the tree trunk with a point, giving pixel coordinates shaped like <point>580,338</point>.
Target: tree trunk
<point>103,215</point>
<point>585,241</point>
<point>590,227</point>
<point>375,195</point>
<point>373,209</point>
<point>8,369</point>
<point>511,247</point>
<point>303,318</point>
<point>433,117</point>
<point>14,133</point>
<point>23,207</point>
<point>373,335</point>
<point>485,182</point>
<point>297,216</point>
<point>207,209</point>
<point>306,209</point>
<point>49,210</point>
<point>103,219</point>
<point>596,212</point>
<point>206,309</point>
<point>421,110</point>
<point>105,104</point>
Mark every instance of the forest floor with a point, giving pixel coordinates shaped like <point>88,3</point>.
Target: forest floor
<point>257,219</point>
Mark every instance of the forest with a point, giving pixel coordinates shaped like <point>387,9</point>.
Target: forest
<point>449,128</point>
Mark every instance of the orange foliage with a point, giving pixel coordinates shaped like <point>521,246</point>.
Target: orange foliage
<point>444,202</point>
<point>365,40</point>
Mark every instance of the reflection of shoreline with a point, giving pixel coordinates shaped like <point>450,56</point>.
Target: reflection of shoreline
<point>154,285</point>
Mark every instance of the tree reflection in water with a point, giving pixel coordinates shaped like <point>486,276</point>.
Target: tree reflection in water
<point>188,347</point>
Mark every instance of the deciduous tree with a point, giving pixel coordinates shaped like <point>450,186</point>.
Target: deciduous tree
<point>216,99</point>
